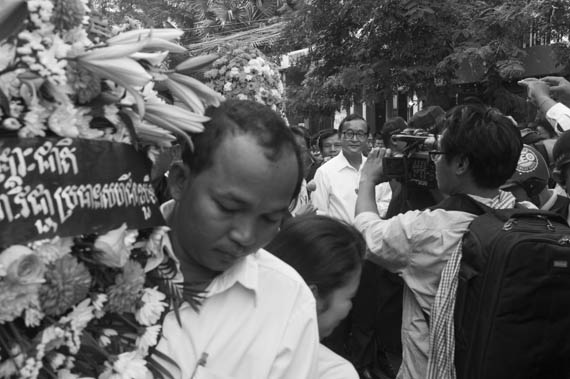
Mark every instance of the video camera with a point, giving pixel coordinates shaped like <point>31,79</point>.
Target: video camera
<point>414,166</point>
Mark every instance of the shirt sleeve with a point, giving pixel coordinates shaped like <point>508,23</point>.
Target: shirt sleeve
<point>320,196</point>
<point>298,356</point>
<point>559,117</point>
<point>389,241</point>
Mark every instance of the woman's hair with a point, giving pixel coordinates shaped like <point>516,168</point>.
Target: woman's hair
<point>323,250</point>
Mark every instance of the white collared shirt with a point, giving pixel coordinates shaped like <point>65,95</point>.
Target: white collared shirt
<point>333,366</point>
<point>336,190</point>
<point>257,321</point>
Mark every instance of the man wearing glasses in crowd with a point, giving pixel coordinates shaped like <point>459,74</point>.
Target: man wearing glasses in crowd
<point>336,181</point>
<point>477,153</point>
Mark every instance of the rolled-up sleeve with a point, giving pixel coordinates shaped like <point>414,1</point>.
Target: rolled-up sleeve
<point>559,117</point>
<point>390,242</point>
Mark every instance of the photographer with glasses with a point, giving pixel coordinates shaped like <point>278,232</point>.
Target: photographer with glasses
<point>336,181</point>
<point>478,151</point>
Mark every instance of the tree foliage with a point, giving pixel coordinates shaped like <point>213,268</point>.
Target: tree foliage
<point>367,48</point>
<point>202,19</point>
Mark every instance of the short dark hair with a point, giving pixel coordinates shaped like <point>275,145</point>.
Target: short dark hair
<point>324,134</point>
<point>392,126</point>
<point>324,251</point>
<point>352,117</point>
<point>242,117</point>
<point>486,137</point>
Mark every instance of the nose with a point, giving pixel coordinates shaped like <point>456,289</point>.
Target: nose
<point>243,232</point>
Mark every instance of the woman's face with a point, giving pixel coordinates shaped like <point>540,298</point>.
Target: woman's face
<point>335,307</point>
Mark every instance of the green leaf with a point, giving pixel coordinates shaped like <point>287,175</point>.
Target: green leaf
<point>4,103</point>
<point>13,13</point>
<point>128,121</point>
<point>159,370</point>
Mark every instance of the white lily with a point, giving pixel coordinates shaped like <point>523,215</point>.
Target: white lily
<point>165,124</point>
<point>184,119</point>
<point>168,34</point>
<point>112,51</point>
<point>162,44</point>
<point>208,95</point>
<point>195,63</point>
<point>186,95</point>
<point>126,72</point>
<point>154,59</point>
<point>149,132</point>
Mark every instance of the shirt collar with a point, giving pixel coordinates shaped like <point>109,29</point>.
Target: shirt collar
<point>344,163</point>
<point>501,201</point>
<point>244,271</point>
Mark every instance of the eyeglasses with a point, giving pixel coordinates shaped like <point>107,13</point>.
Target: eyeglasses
<point>436,155</point>
<point>348,134</point>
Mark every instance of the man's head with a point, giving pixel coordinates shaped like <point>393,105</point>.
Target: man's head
<point>530,177</point>
<point>393,126</point>
<point>353,133</point>
<point>234,189</point>
<point>479,149</point>
<point>329,143</point>
<point>427,118</point>
<point>561,158</point>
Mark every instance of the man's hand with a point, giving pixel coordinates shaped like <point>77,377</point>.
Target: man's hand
<point>372,171</point>
<point>538,93</point>
<point>536,89</point>
<point>559,88</point>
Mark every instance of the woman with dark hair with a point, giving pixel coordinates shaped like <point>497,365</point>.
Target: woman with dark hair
<point>328,254</point>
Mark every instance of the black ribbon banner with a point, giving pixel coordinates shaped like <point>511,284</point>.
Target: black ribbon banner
<point>68,187</point>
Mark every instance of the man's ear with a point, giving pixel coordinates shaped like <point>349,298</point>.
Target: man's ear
<point>461,164</point>
<point>178,175</point>
<point>321,305</point>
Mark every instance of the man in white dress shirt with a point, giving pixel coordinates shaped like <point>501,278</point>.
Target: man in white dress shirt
<point>336,181</point>
<point>257,319</point>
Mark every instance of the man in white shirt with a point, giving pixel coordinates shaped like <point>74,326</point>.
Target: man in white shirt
<point>478,152</point>
<point>336,181</point>
<point>257,319</point>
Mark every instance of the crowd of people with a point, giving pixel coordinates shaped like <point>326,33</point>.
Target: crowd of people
<point>275,240</point>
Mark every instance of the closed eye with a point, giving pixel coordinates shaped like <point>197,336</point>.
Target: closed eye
<point>274,217</point>
<point>225,208</point>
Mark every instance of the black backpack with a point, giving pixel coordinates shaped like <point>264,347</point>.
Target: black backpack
<point>512,313</point>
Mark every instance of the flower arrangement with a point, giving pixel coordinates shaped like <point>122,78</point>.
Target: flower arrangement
<point>245,73</point>
<point>88,305</point>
